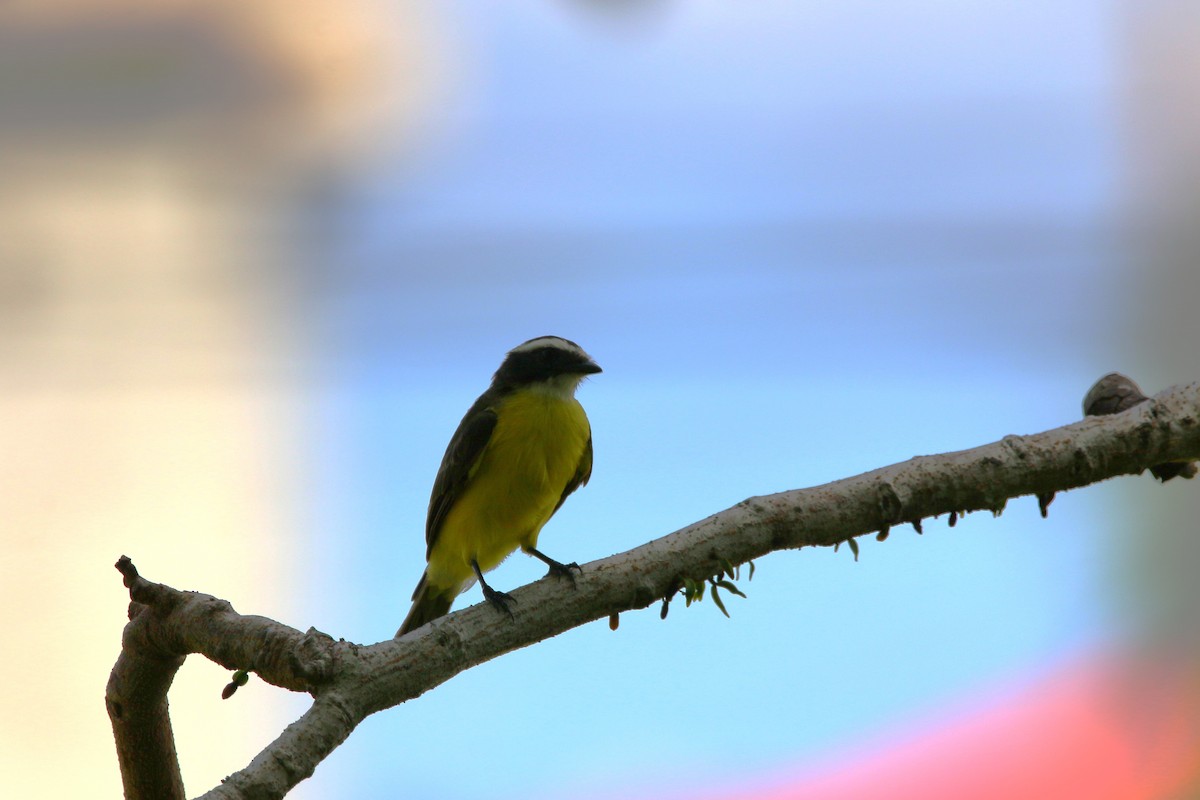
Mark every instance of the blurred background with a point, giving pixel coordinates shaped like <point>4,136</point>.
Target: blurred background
<point>256,260</point>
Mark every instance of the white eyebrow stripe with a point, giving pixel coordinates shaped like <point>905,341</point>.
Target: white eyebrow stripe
<point>549,341</point>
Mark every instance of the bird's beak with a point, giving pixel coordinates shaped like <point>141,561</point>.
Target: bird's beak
<point>590,368</point>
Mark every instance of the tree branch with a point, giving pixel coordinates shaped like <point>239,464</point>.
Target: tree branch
<point>136,698</point>
<point>350,682</point>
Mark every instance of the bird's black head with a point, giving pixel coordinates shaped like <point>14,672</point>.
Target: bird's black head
<point>544,358</point>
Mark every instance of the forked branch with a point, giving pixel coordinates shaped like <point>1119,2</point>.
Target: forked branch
<point>350,682</point>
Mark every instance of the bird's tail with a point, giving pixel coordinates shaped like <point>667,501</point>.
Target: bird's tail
<point>429,603</point>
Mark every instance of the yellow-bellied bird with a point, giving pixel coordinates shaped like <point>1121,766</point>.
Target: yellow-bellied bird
<point>520,450</point>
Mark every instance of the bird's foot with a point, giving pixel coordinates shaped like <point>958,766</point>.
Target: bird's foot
<point>556,567</point>
<point>564,570</point>
<point>498,600</point>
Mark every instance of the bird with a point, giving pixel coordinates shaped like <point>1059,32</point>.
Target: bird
<point>521,449</point>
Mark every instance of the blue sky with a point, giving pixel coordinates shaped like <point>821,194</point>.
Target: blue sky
<point>804,241</point>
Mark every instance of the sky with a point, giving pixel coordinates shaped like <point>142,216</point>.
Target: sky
<point>251,288</point>
<point>804,241</point>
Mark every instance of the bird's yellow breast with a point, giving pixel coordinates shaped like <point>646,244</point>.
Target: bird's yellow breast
<point>513,488</point>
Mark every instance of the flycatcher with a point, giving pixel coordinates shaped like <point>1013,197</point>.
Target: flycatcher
<point>520,450</point>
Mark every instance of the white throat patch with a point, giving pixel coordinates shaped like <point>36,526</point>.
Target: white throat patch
<point>560,386</point>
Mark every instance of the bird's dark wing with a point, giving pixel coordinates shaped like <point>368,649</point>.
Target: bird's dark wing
<point>582,473</point>
<point>462,454</point>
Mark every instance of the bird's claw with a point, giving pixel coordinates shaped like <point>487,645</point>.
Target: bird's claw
<point>499,600</point>
<point>564,570</point>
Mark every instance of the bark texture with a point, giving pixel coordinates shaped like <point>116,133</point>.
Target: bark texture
<point>349,682</point>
